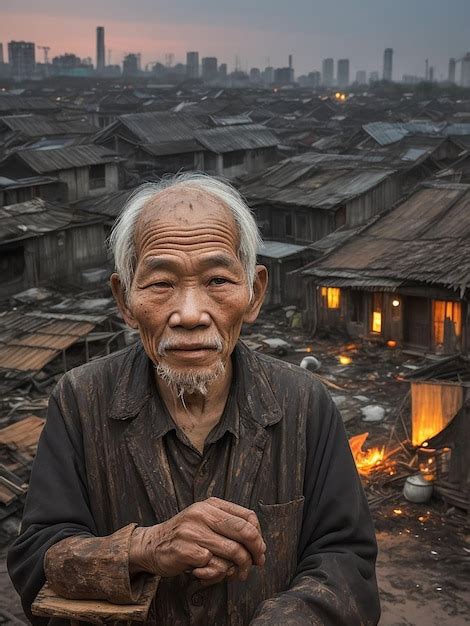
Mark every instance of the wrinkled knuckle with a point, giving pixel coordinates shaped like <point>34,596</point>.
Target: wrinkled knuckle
<point>249,532</point>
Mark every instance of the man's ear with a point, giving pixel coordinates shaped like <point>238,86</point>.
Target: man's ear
<point>119,296</point>
<point>259,289</point>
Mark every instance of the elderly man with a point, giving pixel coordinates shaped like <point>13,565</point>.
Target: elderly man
<point>225,473</point>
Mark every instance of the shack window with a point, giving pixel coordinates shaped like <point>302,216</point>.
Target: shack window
<point>288,224</point>
<point>210,162</point>
<point>97,176</point>
<point>12,262</point>
<point>377,311</point>
<point>231,159</point>
<point>331,297</point>
<point>446,312</point>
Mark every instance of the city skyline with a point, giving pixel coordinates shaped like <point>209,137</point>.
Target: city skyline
<point>269,31</point>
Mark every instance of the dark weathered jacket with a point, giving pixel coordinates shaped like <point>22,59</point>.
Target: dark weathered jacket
<point>101,465</point>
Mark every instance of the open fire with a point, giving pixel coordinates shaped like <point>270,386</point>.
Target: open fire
<point>366,460</point>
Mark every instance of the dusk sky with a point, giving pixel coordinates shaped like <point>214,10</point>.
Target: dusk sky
<point>255,30</point>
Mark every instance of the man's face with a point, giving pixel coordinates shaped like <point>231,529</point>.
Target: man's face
<point>189,296</point>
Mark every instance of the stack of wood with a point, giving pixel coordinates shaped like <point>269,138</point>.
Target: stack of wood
<point>18,444</point>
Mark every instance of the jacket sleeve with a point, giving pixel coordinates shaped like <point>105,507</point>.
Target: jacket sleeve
<point>334,584</point>
<point>57,518</point>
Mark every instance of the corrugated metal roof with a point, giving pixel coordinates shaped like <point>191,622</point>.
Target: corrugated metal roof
<point>44,161</point>
<point>29,342</point>
<point>279,249</point>
<point>18,103</point>
<point>424,239</point>
<point>231,120</point>
<point>37,217</point>
<point>313,187</point>
<point>39,126</point>
<point>300,176</point>
<point>110,204</point>
<point>413,154</point>
<point>233,138</point>
<point>172,147</point>
<point>157,127</point>
<point>385,133</point>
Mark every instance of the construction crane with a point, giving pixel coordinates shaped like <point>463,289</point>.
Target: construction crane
<point>45,49</point>
<point>46,53</point>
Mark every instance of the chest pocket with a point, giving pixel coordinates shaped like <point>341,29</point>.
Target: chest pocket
<point>280,525</point>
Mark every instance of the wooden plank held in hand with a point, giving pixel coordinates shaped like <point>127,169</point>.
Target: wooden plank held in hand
<point>49,604</point>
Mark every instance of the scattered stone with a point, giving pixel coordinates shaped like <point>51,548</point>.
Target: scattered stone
<point>340,401</point>
<point>361,398</point>
<point>373,413</point>
<point>310,363</point>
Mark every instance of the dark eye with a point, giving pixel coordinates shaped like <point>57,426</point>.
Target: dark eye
<point>218,280</point>
<point>161,285</point>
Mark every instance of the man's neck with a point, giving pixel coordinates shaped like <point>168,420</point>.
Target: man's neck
<point>197,414</point>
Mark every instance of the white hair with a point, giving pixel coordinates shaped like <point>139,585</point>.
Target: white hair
<point>122,238</point>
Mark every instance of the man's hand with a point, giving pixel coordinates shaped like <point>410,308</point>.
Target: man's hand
<point>214,539</point>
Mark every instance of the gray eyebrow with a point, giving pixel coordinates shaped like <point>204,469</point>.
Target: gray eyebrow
<point>224,260</point>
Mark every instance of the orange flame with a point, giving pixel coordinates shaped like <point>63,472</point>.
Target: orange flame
<point>344,360</point>
<point>365,460</point>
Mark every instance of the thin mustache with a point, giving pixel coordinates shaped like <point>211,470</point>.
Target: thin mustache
<point>214,343</point>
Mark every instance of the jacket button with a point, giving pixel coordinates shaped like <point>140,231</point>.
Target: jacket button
<point>197,599</point>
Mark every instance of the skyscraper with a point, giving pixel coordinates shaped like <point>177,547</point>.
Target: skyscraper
<point>1,53</point>
<point>361,77</point>
<point>465,71</point>
<point>343,72</point>
<point>22,57</point>
<point>192,64</point>
<point>328,71</point>
<point>451,77</point>
<point>130,65</point>
<point>388,64</point>
<point>209,68</point>
<point>100,58</point>
<point>223,71</point>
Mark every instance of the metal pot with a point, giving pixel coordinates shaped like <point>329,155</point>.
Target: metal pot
<point>417,489</point>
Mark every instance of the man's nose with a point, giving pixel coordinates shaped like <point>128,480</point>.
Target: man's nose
<point>190,311</point>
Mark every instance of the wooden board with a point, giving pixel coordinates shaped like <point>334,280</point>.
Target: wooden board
<point>49,604</point>
<point>23,434</point>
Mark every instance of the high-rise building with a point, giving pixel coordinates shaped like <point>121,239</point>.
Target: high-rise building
<point>283,75</point>
<point>361,77</point>
<point>374,77</point>
<point>22,57</point>
<point>100,58</point>
<point>192,64</point>
<point>328,72</point>
<point>130,65</point>
<point>1,53</point>
<point>314,79</point>
<point>343,73</point>
<point>465,71</point>
<point>209,68</point>
<point>268,74</point>
<point>388,64</point>
<point>431,74</point>
<point>451,77</point>
<point>223,71</point>
<point>255,75</point>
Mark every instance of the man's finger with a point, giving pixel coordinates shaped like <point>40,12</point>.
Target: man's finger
<point>214,569</point>
<point>237,510</point>
<point>240,530</point>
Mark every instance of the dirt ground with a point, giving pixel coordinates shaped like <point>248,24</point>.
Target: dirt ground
<point>424,555</point>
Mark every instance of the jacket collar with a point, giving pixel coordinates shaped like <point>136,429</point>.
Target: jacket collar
<point>135,386</point>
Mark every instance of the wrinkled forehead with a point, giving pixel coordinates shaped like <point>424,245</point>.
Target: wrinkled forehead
<point>181,209</point>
